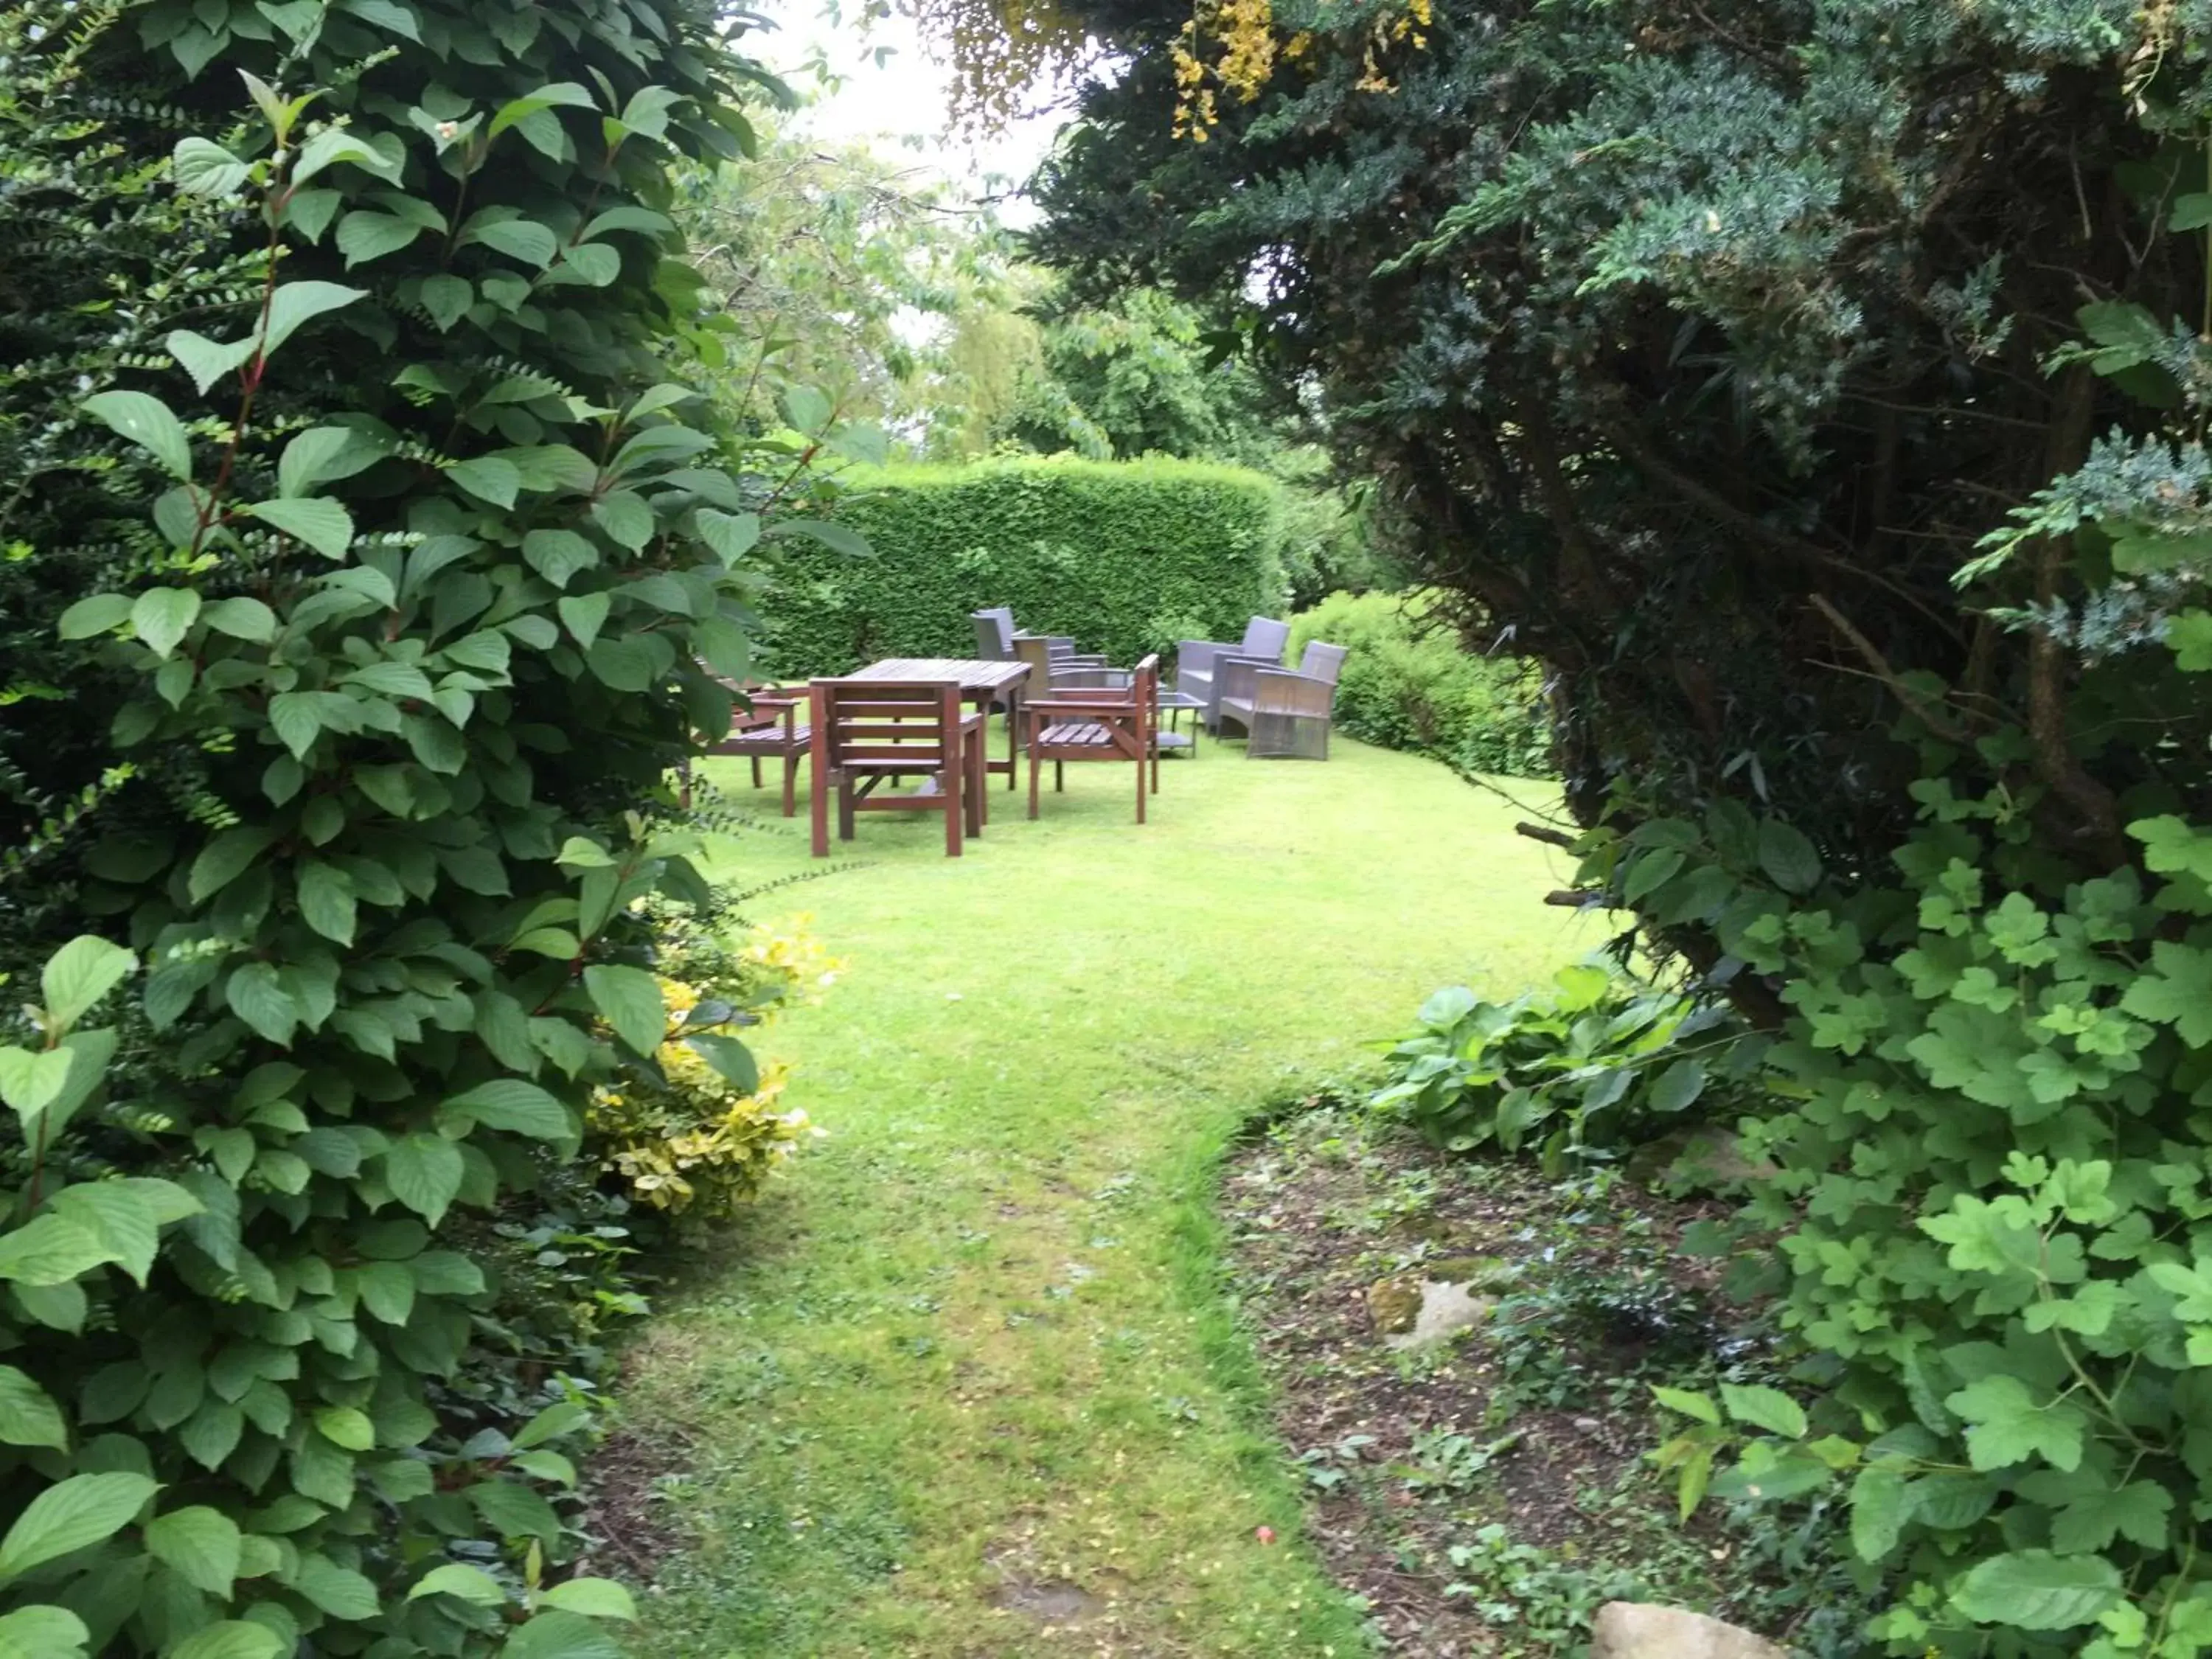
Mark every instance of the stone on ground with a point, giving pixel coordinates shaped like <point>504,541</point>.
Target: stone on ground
<point>1637,1630</point>
<point>1445,1310</point>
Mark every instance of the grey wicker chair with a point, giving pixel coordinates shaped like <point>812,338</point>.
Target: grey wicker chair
<point>1050,671</point>
<point>1289,715</point>
<point>996,636</point>
<point>1199,662</point>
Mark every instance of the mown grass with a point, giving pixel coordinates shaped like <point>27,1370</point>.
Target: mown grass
<point>975,1348</point>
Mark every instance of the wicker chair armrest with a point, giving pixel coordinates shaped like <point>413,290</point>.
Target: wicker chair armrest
<point>1280,691</point>
<point>1235,675</point>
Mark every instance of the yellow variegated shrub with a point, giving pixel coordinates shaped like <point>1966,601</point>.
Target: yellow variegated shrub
<point>683,1136</point>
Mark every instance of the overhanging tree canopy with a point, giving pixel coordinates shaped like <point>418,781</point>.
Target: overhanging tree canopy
<point>1699,344</point>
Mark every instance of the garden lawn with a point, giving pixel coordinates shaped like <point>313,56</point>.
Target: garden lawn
<point>966,1384</point>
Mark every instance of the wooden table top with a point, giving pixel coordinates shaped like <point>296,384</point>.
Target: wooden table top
<point>973,673</point>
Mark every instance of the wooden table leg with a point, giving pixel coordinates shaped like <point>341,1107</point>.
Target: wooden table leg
<point>1013,725</point>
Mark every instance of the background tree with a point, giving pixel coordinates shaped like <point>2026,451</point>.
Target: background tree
<point>862,275</point>
<point>1133,376</point>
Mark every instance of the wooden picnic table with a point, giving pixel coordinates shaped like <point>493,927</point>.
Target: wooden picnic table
<point>982,682</point>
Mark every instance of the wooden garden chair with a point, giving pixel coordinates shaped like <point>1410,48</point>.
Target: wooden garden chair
<point>866,733</point>
<point>765,726</point>
<point>1107,723</point>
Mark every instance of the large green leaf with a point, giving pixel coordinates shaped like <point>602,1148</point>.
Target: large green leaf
<point>2010,1425</point>
<point>424,1173</point>
<point>559,1634</point>
<point>43,1632</point>
<point>512,1509</point>
<point>728,1056</point>
<point>516,1107</point>
<point>1882,1503</point>
<point>1765,1408</point>
<point>207,361</point>
<point>160,616</point>
<point>470,1584</point>
<point>630,1000</point>
<point>598,1598</point>
<point>1789,858</point>
<point>79,974</point>
<point>339,1591</point>
<point>31,1079</point>
<point>326,901</point>
<point>85,1509</point>
<point>225,859</point>
<point>364,235</point>
<point>102,613</point>
<point>51,1250</point>
<point>200,1545</point>
<point>320,522</point>
<point>147,422</point>
<point>28,1416</point>
<point>2035,1590</point>
<point>126,1215</point>
<point>293,304</point>
<point>242,617</point>
<point>558,555</point>
<point>206,168</point>
<point>230,1638</point>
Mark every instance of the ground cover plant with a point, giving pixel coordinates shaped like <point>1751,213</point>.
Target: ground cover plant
<point>1488,1495</point>
<point>363,545</point>
<point>972,1383</point>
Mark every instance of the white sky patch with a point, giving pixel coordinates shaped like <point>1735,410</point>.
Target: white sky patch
<point>902,106</point>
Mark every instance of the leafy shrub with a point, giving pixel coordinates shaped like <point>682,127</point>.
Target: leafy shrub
<point>1409,684</point>
<point>688,1136</point>
<point>368,561</point>
<point>1122,556</point>
<point>1329,546</point>
<point>1991,1218</point>
<point>1596,1063</point>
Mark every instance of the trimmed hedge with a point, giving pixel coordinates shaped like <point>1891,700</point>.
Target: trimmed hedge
<point>1127,557</point>
<point>1409,684</point>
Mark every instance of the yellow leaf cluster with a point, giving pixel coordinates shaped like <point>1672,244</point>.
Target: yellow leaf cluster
<point>1244,33</point>
<point>681,1136</point>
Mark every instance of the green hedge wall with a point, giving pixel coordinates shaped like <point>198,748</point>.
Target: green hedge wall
<point>1126,557</point>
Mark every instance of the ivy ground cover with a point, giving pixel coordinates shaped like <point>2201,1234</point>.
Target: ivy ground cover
<point>968,1379</point>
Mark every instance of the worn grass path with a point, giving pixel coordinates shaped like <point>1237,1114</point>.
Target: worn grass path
<point>966,1386</point>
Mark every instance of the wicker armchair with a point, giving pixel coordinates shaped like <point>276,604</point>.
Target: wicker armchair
<point>1199,662</point>
<point>997,638</point>
<point>1050,671</point>
<point>1289,715</point>
<point>1236,690</point>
